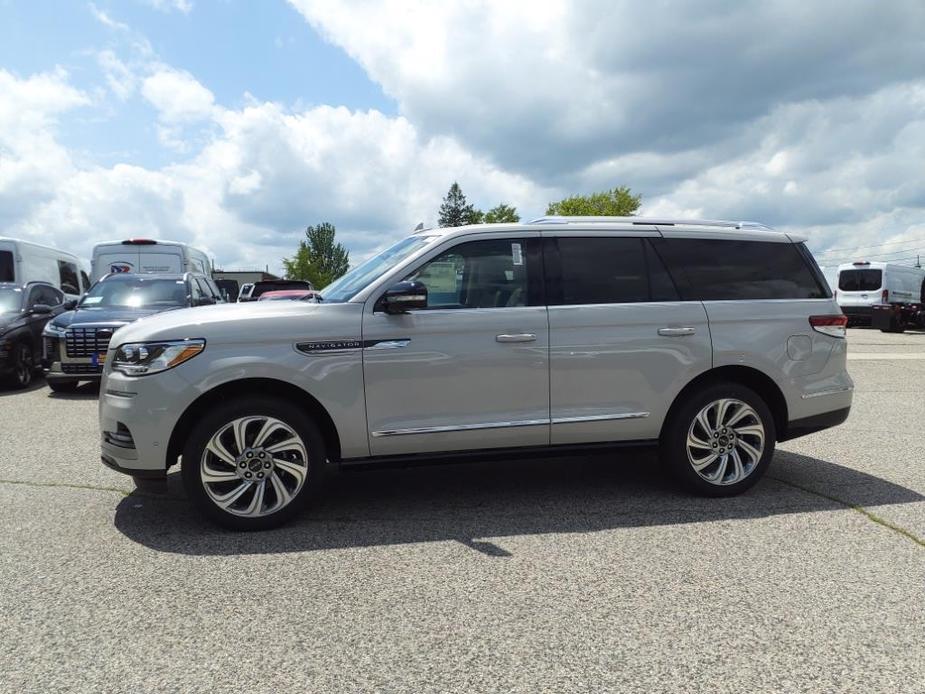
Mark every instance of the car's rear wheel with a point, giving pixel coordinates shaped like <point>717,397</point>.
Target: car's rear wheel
<point>720,441</point>
<point>63,386</point>
<point>252,464</point>
<point>23,365</point>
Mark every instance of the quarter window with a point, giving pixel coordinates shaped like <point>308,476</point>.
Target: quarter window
<point>478,274</point>
<point>70,283</point>
<point>719,270</point>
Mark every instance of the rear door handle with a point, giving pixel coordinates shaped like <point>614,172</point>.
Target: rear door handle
<point>516,337</point>
<point>676,332</point>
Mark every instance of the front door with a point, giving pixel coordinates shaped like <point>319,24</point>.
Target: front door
<point>622,344</point>
<point>471,370</point>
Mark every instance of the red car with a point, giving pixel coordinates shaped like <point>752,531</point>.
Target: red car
<point>289,295</point>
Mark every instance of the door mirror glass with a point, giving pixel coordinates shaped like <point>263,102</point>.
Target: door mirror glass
<point>404,296</point>
<point>40,309</point>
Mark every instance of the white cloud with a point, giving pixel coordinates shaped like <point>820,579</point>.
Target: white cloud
<point>104,19</point>
<point>177,96</point>
<point>120,78</point>
<point>184,6</point>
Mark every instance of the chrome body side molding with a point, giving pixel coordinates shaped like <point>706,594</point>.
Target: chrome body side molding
<point>507,425</point>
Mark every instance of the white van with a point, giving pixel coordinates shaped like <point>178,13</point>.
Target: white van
<point>863,285</point>
<point>24,261</point>
<point>147,256</point>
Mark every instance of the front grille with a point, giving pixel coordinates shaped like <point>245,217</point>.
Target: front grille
<point>85,342</point>
<point>81,368</point>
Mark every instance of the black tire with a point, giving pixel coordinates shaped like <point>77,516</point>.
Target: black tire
<point>63,386</point>
<point>23,366</point>
<point>673,449</point>
<point>214,422</point>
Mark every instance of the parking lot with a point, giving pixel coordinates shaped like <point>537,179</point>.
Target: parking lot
<point>589,574</point>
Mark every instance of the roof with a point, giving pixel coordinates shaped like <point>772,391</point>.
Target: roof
<point>709,228</point>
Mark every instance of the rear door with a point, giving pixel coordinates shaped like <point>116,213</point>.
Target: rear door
<point>622,343</point>
<point>122,258</point>
<point>160,259</point>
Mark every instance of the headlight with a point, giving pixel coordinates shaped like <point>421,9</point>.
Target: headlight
<point>53,330</point>
<point>143,358</point>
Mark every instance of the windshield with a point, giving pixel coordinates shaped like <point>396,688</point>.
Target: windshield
<point>860,280</point>
<point>10,299</point>
<point>137,292</point>
<point>349,285</point>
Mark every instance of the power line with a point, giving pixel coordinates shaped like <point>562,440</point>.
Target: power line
<point>884,256</point>
<point>876,245</point>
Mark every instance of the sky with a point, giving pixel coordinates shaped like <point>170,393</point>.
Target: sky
<point>234,124</point>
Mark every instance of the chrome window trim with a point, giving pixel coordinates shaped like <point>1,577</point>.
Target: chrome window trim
<point>599,417</point>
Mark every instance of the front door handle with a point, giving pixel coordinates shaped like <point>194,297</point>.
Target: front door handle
<point>516,337</point>
<point>676,332</point>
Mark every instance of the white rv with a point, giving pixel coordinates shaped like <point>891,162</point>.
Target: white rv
<point>863,285</point>
<point>146,256</point>
<point>24,261</point>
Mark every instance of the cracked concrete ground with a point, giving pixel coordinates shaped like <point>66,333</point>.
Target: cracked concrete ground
<point>581,574</point>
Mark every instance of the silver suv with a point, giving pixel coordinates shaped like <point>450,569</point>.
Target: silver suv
<point>714,340</point>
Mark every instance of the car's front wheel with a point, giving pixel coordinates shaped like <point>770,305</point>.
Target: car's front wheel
<point>720,441</point>
<point>23,365</point>
<point>252,464</point>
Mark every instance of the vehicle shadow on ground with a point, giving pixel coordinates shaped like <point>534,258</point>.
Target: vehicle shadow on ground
<point>37,384</point>
<point>85,391</point>
<point>466,502</point>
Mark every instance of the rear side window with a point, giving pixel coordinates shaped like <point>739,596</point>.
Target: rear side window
<point>70,283</point>
<point>860,280</point>
<point>720,270</point>
<point>6,267</point>
<point>606,270</point>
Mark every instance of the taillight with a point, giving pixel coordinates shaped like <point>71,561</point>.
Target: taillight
<point>834,326</point>
<point>885,297</point>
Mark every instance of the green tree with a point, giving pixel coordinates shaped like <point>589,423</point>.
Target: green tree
<point>456,210</point>
<point>619,202</point>
<point>501,214</point>
<point>319,258</point>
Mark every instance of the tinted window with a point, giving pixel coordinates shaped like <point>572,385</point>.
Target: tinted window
<point>70,284</point>
<point>6,266</point>
<point>477,274</point>
<point>136,291</point>
<point>718,270</point>
<point>85,280</point>
<point>860,280</point>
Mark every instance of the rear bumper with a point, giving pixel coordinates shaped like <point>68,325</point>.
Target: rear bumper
<point>818,422</point>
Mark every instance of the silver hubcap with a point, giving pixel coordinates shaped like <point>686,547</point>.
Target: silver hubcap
<point>254,466</point>
<point>725,441</point>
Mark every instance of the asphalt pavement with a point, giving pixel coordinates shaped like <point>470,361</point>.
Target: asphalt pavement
<point>573,574</point>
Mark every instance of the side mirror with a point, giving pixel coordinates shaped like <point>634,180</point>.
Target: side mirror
<point>40,309</point>
<point>205,301</point>
<point>404,296</point>
<point>70,304</point>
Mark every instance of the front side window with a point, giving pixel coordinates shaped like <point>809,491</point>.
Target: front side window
<point>724,270</point>
<point>477,274</point>
<point>860,280</point>
<point>70,283</point>
<point>45,295</point>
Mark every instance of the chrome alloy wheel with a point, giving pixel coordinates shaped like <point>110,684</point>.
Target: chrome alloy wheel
<point>254,466</point>
<point>24,365</point>
<point>725,441</point>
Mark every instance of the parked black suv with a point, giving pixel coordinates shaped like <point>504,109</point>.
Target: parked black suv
<point>24,311</point>
<point>75,342</point>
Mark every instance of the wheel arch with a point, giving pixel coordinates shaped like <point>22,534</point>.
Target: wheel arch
<point>248,387</point>
<point>747,376</point>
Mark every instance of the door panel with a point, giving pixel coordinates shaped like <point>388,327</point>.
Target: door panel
<point>471,371</point>
<point>613,376</point>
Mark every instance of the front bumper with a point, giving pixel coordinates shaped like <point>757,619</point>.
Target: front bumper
<point>58,366</point>
<point>137,417</point>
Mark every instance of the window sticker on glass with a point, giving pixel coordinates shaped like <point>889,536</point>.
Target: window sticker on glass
<point>90,300</point>
<point>517,254</point>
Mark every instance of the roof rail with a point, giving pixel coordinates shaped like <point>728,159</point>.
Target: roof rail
<point>654,221</point>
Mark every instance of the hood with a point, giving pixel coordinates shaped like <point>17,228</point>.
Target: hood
<point>7,319</point>
<point>256,321</point>
<point>106,316</point>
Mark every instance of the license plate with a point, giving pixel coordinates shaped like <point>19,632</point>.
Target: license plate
<point>98,358</point>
